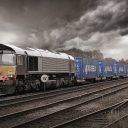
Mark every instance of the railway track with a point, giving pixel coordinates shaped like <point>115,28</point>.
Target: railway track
<point>120,123</point>
<point>8,101</point>
<point>121,120</point>
<point>98,119</point>
<point>49,110</point>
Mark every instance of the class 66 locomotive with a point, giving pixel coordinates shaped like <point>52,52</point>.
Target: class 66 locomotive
<point>21,69</point>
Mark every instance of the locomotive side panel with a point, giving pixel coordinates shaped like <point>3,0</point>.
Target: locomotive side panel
<point>40,68</point>
<point>72,66</point>
<point>55,65</point>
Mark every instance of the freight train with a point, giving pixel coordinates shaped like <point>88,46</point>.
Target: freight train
<point>21,69</point>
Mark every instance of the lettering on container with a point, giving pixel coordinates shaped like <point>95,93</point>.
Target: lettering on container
<point>121,69</point>
<point>90,68</point>
<point>108,69</point>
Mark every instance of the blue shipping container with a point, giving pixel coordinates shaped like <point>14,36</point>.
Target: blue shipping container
<point>101,67</point>
<point>121,69</point>
<point>115,70</point>
<point>109,70</point>
<point>90,68</point>
<point>79,68</point>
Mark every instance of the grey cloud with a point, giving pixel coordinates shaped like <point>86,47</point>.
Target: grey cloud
<point>87,24</point>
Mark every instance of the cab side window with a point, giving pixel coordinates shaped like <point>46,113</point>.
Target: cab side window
<point>19,60</point>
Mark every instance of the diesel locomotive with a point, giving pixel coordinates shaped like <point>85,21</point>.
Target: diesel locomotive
<point>21,69</point>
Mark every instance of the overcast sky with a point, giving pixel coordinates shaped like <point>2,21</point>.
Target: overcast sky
<point>65,24</point>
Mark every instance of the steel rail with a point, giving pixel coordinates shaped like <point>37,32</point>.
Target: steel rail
<point>93,99</point>
<point>35,97</point>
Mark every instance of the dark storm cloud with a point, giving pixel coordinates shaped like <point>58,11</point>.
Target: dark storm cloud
<point>32,18</point>
<point>124,32</point>
<point>36,19</point>
<point>54,24</point>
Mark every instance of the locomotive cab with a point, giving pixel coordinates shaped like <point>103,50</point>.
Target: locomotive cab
<point>10,63</point>
<point>7,65</point>
<point>7,71</point>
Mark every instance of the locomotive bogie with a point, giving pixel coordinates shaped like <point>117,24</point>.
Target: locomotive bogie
<point>8,87</point>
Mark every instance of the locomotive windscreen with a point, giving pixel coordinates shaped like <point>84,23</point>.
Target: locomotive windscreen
<point>7,58</point>
<point>3,47</point>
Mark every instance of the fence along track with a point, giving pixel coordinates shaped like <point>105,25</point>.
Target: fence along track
<point>55,112</point>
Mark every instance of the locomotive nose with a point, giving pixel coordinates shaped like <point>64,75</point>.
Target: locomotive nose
<point>6,71</point>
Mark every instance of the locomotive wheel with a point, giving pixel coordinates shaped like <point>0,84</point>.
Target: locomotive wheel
<point>9,87</point>
<point>28,87</point>
<point>20,89</point>
<point>35,86</point>
<point>9,90</point>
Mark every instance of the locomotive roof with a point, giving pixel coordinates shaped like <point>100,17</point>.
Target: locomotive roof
<point>18,50</point>
<point>36,52</point>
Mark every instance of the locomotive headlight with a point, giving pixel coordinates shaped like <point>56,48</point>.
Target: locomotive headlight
<point>11,76</point>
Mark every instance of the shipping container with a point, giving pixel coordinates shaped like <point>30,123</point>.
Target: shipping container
<point>100,70</point>
<point>79,68</point>
<point>115,70</point>
<point>108,69</point>
<point>90,68</point>
<point>127,70</point>
<point>122,70</point>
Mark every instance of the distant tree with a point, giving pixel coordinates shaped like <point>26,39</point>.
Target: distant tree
<point>110,59</point>
<point>95,54</point>
<point>126,61</point>
<point>122,61</point>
